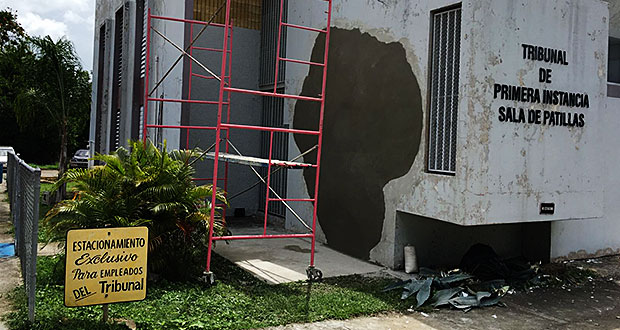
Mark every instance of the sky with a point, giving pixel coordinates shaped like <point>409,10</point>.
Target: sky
<point>73,19</point>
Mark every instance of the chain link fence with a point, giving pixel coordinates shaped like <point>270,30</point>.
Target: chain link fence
<point>23,184</point>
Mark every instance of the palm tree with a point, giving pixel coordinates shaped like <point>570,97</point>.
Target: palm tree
<point>60,87</point>
<point>140,186</point>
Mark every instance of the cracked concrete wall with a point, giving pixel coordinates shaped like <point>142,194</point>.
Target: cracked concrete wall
<point>504,170</point>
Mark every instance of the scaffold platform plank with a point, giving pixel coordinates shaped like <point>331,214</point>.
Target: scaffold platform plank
<point>255,161</point>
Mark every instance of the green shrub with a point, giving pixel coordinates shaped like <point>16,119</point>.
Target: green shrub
<point>142,186</point>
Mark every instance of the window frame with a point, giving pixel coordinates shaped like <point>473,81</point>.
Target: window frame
<point>429,99</point>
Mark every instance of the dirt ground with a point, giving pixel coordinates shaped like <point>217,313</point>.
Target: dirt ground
<point>595,305</point>
<point>10,276</point>
<point>592,305</point>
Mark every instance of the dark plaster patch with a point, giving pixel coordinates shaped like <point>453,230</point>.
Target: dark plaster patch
<point>372,131</point>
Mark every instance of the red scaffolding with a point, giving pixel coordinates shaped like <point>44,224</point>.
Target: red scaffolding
<point>189,52</point>
<point>223,125</point>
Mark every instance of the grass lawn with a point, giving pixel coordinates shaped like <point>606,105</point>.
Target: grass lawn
<point>46,167</point>
<point>238,301</point>
<point>48,186</point>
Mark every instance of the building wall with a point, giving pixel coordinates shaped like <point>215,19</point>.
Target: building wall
<point>244,109</point>
<point>504,170</point>
<point>163,56</point>
<point>589,238</point>
<point>375,193</point>
<point>581,239</point>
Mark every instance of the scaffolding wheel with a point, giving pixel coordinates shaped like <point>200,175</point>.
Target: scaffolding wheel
<point>314,274</point>
<point>208,278</point>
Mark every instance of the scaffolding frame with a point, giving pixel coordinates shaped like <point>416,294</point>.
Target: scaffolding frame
<point>224,126</point>
<point>189,52</point>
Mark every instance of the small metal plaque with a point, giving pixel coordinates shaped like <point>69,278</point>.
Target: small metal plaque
<point>547,208</point>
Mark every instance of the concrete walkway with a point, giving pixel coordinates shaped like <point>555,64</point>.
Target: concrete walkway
<point>389,321</point>
<point>285,260</point>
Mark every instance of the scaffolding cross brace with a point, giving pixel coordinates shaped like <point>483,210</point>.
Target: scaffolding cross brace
<point>223,125</point>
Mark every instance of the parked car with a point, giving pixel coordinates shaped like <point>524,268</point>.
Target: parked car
<point>4,156</point>
<point>80,159</point>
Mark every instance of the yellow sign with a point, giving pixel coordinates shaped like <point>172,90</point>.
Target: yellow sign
<point>105,266</point>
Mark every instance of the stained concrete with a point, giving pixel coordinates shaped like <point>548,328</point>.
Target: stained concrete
<point>286,260</point>
<point>372,130</point>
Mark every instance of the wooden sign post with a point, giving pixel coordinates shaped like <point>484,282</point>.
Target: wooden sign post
<point>105,266</point>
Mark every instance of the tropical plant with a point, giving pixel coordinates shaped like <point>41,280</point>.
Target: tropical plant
<point>455,288</point>
<point>141,186</point>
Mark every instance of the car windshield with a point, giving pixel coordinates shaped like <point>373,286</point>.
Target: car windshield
<point>82,153</point>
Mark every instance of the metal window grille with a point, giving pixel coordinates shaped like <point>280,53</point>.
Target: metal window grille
<point>118,47</point>
<point>273,108</point>
<point>23,185</point>
<point>145,8</point>
<point>119,32</point>
<point>100,73</point>
<point>117,129</point>
<point>273,116</point>
<point>139,54</point>
<point>141,120</point>
<point>243,13</point>
<point>269,42</point>
<point>444,90</point>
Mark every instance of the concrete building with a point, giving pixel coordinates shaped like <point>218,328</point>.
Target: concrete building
<point>448,123</point>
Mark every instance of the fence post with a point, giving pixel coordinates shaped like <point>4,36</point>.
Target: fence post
<point>34,236</point>
<point>16,208</point>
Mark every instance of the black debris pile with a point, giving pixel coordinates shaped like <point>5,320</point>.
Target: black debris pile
<point>482,280</point>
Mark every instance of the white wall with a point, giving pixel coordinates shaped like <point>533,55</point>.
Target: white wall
<point>580,239</point>
<point>162,56</point>
<point>504,170</point>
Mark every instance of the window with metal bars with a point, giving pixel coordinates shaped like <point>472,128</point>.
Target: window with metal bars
<point>273,116</point>
<point>100,72</point>
<point>244,13</point>
<point>119,31</point>
<point>444,89</point>
<point>269,43</point>
<point>137,115</point>
<point>145,11</point>
<point>273,108</point>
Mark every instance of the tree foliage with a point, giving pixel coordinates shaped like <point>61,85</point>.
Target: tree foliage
<point>57,89</point>
<point>10,31</point>
<point>44,94</point>
<point>141,186</point>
